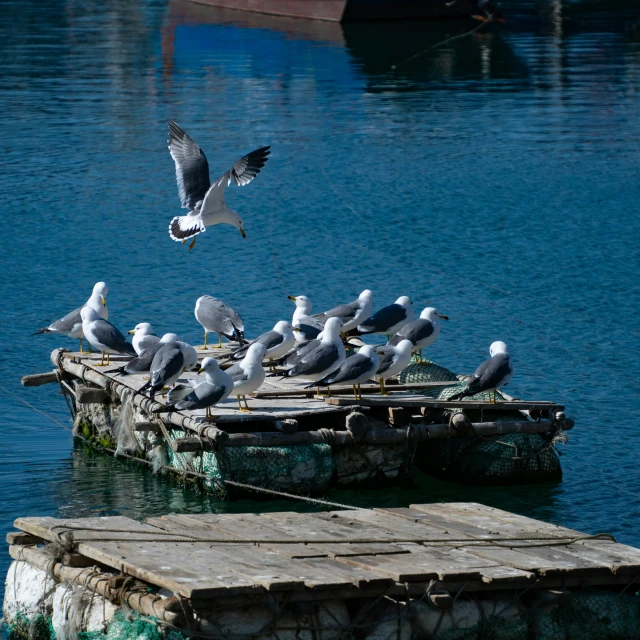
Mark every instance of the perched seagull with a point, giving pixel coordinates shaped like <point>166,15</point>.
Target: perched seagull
<point>142,363</point>
<point>490,375</point>
<point>102,335</point>
<point>166,367</point>
<point>204,200</point>
<point>190,355</point>
<point>305,327</point>
<point>201,395</point>
<point>389,320</point>
<point>300,351</point>
<point>352,313</point>
<point>143,336</point>
<point>422,332</point>
<point>217,317</point>
<point>71,324</point>
<point>278,342</point>
<point>248,374</point>
<point>324,358</point>
<point>393,360</point>
<point>355,370</point>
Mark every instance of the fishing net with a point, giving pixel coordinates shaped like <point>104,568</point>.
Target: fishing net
<point>524,458</point>
<point>37,627</point>
<point>304,469</point>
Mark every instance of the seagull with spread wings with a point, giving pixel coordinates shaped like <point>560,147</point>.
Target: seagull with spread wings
<point>204,200</point>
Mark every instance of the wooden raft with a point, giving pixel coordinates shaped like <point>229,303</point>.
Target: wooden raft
<point>350,553</point>
<point>286,401</point>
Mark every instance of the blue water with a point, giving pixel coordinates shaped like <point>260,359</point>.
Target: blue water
<point>495,177</point>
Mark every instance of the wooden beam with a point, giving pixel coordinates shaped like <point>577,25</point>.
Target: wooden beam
<point>38,379</point>
<point>338,389</point>
<point>417,402</point>
<point>89,395</point>
<point>22,538</point>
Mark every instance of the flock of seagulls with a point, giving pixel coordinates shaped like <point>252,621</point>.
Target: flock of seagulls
<point>310,347</point>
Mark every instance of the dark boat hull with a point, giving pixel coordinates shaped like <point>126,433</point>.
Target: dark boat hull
<point>338,10</point>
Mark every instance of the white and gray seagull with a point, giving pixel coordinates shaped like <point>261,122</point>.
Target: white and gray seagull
<point>204,200</point>
<point>324,358</point>
<point>248,374</point>
<point>393,360</point>
<point>305,327</point>
<point>422,332</point>
<point>490,375</point>
<point>355,370</point>
<point>142,364</point>
<point>215,388</point>
<point>390,319</point>
<point>218,317</point>
<point>102,335</point>
<point>352,313</point>
<point>71,325</point>
<point>278,342</point>
<point>143,337</point>
<point>168,364</point>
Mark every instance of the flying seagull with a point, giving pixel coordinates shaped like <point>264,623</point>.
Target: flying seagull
<point>248,374</point>
<point>201,395</point>
<point>218,317</point>
<point>71,324</point>
<point>393,360</point>
<point>205,201</point>
<point>390,319</point>
<point>491,374</point>
<point>352,313</point>
<point>422,332</point>
<point>355,370</point>
<point>102,335</point>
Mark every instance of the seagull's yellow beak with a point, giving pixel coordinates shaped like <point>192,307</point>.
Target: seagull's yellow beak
<point>443,317</point>
<point>104,300</point>
<point>132,331</point>
<point>199,370</point>
<point>292,298</point>
<point>242,233</point>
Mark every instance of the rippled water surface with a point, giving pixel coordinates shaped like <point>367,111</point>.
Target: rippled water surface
<point>496,177</point>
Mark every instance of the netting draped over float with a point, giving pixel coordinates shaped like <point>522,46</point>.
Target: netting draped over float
<point>507,458</point>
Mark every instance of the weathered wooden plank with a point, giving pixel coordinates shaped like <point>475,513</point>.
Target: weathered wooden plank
<point>38,379</point>
<point>418,402</point>
<point>341,389</point>
<point>22,538</point>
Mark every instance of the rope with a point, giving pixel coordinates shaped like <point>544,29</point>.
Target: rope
<point>536,540</point>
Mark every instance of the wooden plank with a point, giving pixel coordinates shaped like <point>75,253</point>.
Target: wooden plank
<point>341,389</point>
<point>417,403</point>
<point>527,525</point>
<point>38,379</point>
<point>22,538</point>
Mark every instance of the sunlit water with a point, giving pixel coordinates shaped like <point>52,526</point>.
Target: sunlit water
<point>496,177</point>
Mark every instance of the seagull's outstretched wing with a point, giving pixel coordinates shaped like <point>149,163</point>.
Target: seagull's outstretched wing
<point>242,173</point>
<point>192,168</point>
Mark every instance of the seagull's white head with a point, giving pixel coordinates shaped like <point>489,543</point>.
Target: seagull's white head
<point>256,352</point>
<point>283,326</point>
<point>404,301</point>
<point>404,347</point>
<point>209,365</point>
<point>431,314</point>
<point>99,293</point>
<point>169,337</point>
<point>142,329</point>
<point>302,302</point>
<point>498,347</point>
<point>368,350</point>
<point>366,296</point>
<point>89,314</point>
<point>332,328</point>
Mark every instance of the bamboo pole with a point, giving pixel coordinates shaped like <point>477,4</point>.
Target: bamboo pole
<point>145,603</point>
<point>146,404</point>
<point>389,436</point>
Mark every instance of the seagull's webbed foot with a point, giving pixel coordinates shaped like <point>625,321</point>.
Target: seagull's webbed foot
<point>193,243</point>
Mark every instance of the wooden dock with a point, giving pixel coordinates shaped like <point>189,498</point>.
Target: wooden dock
<point>372,439</point>
<point>207,561</point>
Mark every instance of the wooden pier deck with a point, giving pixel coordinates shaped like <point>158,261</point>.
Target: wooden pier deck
<point>357,553</point>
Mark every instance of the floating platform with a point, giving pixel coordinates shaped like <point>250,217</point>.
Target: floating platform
<point>437,571</point>
<point>296,442</point>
